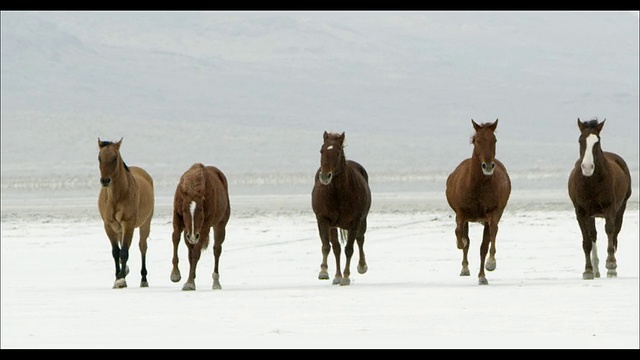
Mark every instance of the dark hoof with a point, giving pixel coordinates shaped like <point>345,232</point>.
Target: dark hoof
<point>362,268</point>
<point>345,281</point>
<point>483,281</point>
<point>144,284</point>
<point>587,275</point>
<point>612,273</point>
<point>337,280</point>
<point>465,272</point>
<point>175,276</point>
<point>216,282</point>
<point>323,275</point>
<point>490,265</point>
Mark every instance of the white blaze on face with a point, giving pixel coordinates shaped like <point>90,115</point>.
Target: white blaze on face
<point>329,147</point>
<point>587,161</point>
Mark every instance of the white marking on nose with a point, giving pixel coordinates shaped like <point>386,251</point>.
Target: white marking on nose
<point>587,162</point>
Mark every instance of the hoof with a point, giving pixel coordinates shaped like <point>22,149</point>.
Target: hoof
<point>612,273</point>
<point>483,281</point>
<point>611,265</point>
<point>587,275</point>
<point>216,281</point>
<point>323,275</point>
<point>345,281</point>
<point>362,268</point>
<point>175,275</point>
<point>337,280</point>
<point>144,284</point>
<point>490,265</point>
<point>465,272</point>
<point>189,286</point>
<point>120,284</point>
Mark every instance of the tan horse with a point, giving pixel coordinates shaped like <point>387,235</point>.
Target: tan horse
<point>599,186</point>
<point>341,199</point>
<point>478,191</point>
<point>201,202</point>
<point>126,202</point>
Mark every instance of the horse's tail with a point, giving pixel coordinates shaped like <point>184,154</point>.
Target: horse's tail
<point>344,235</point>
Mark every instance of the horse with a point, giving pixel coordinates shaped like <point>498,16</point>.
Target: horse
<point>341,198</point>
<point>201,202</point>
<point>599,186</point>
<point>478,190</point>
<point>126,202</point>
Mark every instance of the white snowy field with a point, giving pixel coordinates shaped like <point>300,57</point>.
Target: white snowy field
<point>57,274</point>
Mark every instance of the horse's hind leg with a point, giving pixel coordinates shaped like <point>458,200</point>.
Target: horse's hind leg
<point>362,263</point>
<point>145,229</point>
<point>612,227</point>
<point>218,238</point>
<point>348,251</point>
<point>178,227</point>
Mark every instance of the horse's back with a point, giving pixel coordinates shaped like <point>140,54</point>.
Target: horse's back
<point>220,193</point>
<point>356,165</point>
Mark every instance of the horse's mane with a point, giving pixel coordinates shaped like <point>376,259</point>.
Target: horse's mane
<point>591,124</point>
<point>192,182</point>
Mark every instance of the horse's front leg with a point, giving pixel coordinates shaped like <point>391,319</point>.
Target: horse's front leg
<point>175,238</point>
<point>462,238</point>
<point>492,234</point>
<point>127,235</point>
<point>195,251</point>
<point>588,230</point>
<point>484,249</point>
<point>323,230</point>
<point>218,238</point>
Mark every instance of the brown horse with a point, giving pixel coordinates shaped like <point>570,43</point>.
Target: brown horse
<point>341,198</point>
<point>599,186</point>
<point>478,191</point>
<point>201,202</point>
<point>126,202</point>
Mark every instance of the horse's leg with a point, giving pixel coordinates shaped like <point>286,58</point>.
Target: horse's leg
<point>219,232</point>
<point>178,227</point>
<point>115,247</point>
<point>484,249</point>
<point>335,245</point>
<point>493,233</point>
<point>362,263</point>
<point>587,227</point>
<point>145,229</point>
<point>195,251</point>
<point>612,227</point>
<point>462,237</point>
<point>323,230</point>
<point>127,235</point>
<point>348,251</point>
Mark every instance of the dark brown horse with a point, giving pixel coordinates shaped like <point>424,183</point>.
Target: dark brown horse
<point>341,198</point>
<point>599,186</point>
<point>478,191</point>
<point>126,202</point>
<point>201,202</point>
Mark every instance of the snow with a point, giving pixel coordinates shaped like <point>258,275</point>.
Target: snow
<point>57,276</point>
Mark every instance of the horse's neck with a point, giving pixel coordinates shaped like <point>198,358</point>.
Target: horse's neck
<point>122,184</point>
<point>602,166</point>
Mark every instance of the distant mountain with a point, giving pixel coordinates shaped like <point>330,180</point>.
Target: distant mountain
<point>252,92</point>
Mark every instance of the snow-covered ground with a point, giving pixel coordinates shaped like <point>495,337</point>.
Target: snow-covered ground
<point>57,274</point>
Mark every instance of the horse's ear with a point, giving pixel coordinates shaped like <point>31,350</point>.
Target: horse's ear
<point>600,125</point>
<point>325,136</point>
<point>99,142</point>
<point>580,125</point>
<point>342,137</point>
<point>475,126</point>
<point>493,126</point>
<point>119,142</point>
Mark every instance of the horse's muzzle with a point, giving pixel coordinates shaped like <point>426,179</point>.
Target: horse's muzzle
<point>325,179</point>
<point>105,181</point>
<point>487,168</point>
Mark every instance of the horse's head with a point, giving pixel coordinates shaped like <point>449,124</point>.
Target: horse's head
<point>484,145</point>
<point>332,159</point>
<point>109,160</point>
<point>589,144</point>
<point>193,215</point>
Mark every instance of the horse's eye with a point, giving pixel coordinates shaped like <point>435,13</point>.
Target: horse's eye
<point>114,159</point>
